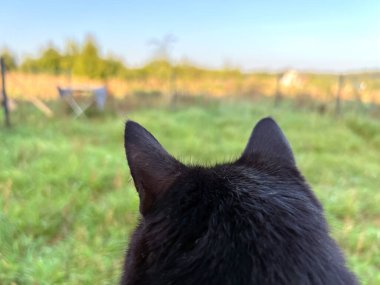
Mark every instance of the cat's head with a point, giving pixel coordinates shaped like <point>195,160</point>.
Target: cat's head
<point>155,171</point>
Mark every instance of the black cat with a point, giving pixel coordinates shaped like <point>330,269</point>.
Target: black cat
<point>253,221</point>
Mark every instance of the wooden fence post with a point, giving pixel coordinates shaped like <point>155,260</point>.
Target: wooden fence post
<point>338,95</point>
<point>173,90</point>
<point>5,99</point>
<point>277,96</point>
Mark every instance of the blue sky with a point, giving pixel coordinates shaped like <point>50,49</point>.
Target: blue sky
<point>266,35</point>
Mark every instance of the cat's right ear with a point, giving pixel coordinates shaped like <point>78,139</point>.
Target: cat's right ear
<point>153,169</point>
<point>268,142</point>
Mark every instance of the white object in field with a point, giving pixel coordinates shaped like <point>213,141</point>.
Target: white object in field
<point>99,96</point>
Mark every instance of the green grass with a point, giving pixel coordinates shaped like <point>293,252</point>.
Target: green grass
<point>67,203</point>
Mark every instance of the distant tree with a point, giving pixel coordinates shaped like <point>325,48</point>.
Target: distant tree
<point>75,59</point>
<point>29,65</point>
<point>51,61</point>
<point>162,47</point>
<point>161,68</point>
<point>70,55</point>
<point>9,59</point>
<point>111,67</point>
<point>88,62</point>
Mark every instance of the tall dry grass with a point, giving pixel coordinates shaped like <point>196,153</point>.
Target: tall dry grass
<point>23,86</point>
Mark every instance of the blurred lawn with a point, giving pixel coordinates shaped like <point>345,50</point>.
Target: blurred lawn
<point>67,203</point>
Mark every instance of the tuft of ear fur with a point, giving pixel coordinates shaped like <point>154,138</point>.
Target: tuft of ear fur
<point>268,141</point>
<point>153,169</point>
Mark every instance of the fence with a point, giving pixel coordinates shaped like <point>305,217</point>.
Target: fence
<point>360,89</point>
<point>4,96</point>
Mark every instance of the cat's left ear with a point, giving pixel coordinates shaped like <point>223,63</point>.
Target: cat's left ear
<point>269,143</point>
<point>153,169</point>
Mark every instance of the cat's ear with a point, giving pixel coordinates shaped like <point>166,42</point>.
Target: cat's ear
<point>269,143</point>
<point>153,169</point>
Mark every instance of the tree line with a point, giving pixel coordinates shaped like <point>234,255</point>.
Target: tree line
<point>78,59</point>
<point>86,60</point>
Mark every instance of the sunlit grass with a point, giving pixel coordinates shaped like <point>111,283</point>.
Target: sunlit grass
<point>67,203</point>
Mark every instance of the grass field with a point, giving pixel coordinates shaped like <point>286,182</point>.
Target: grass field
<point>68,205</point>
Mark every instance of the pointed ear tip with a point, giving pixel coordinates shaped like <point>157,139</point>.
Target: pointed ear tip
<point>131,132</point>
<point>129,124</point>
<point>135,134</point>
<point>132,127</point>
<point>267,121</point>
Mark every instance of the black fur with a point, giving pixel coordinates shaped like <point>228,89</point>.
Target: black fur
<point>254,221</point>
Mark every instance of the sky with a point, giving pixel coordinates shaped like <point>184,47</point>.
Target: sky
<point>324,35</point>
